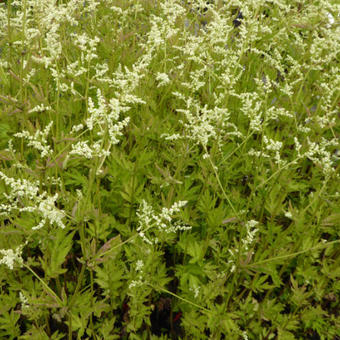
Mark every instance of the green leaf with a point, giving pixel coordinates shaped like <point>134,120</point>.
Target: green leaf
<point>260,285</point>
<point>285,335</point>
<point>216,216</point>
<point>275,199</point>
<point>9,328</point>
<point>196,251</point>
<point>110,278</point>
<point>59,246</point>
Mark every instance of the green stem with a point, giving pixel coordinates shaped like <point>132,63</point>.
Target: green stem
<point>9,5</point>
<point>180,298</point>
<point>48,289</point>
<point>278,171</point>
<point>92,304</point>
<point>122,243</point>
<point>316,196</point>
<point>220,184</point>
<point>320,246</point>
<point>238,147</point>
<point>57,103</point>
<point>132,198</point>
<point>231,291</point>
<point>70,327</point>
<point>79,282</point>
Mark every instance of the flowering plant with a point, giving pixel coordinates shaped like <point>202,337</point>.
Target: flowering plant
<point>169,169</point>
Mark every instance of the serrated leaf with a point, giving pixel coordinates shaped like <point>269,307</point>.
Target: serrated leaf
<point>196,251</point>
<point>332,220</point>
<point>60,245</point>
<point>110,247</point>
<point>216,216</point>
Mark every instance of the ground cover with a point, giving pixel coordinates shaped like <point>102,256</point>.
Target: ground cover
<point>169,169</point>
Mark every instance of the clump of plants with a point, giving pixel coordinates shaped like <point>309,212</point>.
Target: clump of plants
<point>169,169</point>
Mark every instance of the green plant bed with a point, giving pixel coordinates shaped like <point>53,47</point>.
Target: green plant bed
<point>169,169</point>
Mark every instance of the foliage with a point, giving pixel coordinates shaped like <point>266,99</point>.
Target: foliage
<point>169,169</point>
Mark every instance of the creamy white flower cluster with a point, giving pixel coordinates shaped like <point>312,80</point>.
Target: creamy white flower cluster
<point>162,79</point>
<point>318,153</point>
<point>163,221</point>
<point>24,301</point>
<point>87,46</point>
<point>40,108</point>
<point>251,232</point>
<point>48,16</point>
<point>139,271</point>
<point>172,10</point>
<point>160,31</point>
<point>43,22</point>
<point>11,257</point>
<point>42,204</point>
<point>274,146</point>
<point>251,228</point>
<point>103,119</point>
<point>195,289</point>
<point>201,123</point>
<point>75,69</point>
<point>107,115</point>
<point>126,81</point>
<point>82,148</point>
<point>271,146</point>
<point>251,107</point>
<point>38,140</point>
<point>274,113</point>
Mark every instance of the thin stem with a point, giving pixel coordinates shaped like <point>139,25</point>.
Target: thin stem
<point>317,196</point>
<point>80,279</point>
<point>238,147</point>
<point>48,289</point>
<point>180,298</point>
<point>320,246</point>
<point>98,256</point>
<point>92,304</point>
<point>9,30</point>
<point>278,171</point>
<point>70,327</point>
<point>58,101</point>
<point>220,184</point>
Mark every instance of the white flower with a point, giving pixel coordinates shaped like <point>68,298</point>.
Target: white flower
<point>39,139</point>
<point>163,221</point>
<point>271,144</point>
<point>82,149</point>
<point>49,211</point>
<point>196,290</point>
<point>30,75</point>
<point>202,123</point>
<point>135,283</point>
<point>11,257</point>
<point>244,335</point>
<point>87,46</point>
<point>288,214</point>
<point>162,78</point>
<point>330,19</point>
<point>77,128</point>
<point>251,224</point>
<point>23,300</point>
<point>171,137</point>
<point>139,265</point>
<point>40,225</point>
<point>41,203</point>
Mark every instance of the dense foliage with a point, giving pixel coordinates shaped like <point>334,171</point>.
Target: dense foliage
<point>169,169</point>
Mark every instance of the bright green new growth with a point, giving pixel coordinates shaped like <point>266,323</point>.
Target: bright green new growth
<point>169,169</point>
